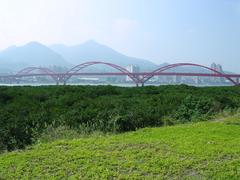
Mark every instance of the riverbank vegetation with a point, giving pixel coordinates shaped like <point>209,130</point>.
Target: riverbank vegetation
<point>31,114</point>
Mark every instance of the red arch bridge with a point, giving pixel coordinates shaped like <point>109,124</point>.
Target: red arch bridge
<point>139,78</point>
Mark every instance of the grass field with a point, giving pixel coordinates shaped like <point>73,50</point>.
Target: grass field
<point>206,150</point>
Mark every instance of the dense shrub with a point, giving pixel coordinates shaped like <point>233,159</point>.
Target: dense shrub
<point>26,112</point>
<point>194,108</point>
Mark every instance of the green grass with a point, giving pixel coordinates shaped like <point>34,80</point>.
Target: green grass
<point>206,150</point>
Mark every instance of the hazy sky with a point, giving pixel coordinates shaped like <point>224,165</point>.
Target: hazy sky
<point>200,31</point>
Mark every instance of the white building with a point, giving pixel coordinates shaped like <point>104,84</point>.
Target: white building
<point>218,67</point>
<point>132,69</point>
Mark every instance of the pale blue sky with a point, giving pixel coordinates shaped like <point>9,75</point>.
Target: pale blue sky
<point>200,31</point>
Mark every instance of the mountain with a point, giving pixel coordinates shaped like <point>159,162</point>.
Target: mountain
<point>93,51</point>
<point>31,54</point>
<point>15,58</point>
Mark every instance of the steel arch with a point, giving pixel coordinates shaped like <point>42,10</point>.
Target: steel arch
<point>171,66</point>
<point>79,67</point>
<point>28,70</point>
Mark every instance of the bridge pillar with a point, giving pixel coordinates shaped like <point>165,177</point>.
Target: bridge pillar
<point>140,83</point>
<point>238,82</point>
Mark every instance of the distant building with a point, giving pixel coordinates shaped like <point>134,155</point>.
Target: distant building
<point>218,67</point>
<point>177,79</point>
<point>197,80</point>
<point>132,69</point>
<point>214,66</point>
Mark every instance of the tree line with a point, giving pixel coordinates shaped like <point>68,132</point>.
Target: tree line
<point>26,112</point>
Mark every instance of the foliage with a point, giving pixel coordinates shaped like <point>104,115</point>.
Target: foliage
<point>51,134</point>
<point>194,108</point>
<point>26,112</point>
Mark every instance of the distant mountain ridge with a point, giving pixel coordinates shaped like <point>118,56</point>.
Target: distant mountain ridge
<point>31,54</point>
<point>36,54</point>
<point>15,58</point>
<point>93,51</point>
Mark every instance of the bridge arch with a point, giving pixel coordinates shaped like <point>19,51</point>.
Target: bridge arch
<point>172,66</point>
<point>82,66</point>
<point>27,71</point>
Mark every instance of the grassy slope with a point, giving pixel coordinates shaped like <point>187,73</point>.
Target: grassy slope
<point>208,149</point>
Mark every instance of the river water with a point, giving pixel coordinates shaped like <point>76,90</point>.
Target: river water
<point>105,84</point>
